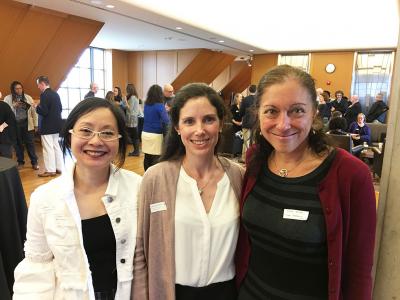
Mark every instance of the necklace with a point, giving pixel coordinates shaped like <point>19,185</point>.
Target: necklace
<point>200,189</point>
<point>285,172</point>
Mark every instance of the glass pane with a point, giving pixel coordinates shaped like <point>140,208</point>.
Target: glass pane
<point>74,97</point>
<point>84,78</point>
<point>64,83</point>
<point>84,60</point>
<point>73,78</point>
<point>83,93</point>
<point>99,78</point>
<point>64,113</point>
<point>100,94</point>
<point>63,92</point>
<point>98,58</point>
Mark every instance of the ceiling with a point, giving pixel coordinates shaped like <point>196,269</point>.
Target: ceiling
<point>238,27</point>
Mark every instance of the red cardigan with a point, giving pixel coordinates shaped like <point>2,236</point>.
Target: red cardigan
<point>348,200</point>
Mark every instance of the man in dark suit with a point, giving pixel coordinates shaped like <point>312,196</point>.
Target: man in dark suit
<point>377,112</point>
<point>248,117</point>
<point>353,110</point>
<point>49,111</point>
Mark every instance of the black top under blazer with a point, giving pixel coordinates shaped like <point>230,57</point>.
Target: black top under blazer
<point>49,111</point>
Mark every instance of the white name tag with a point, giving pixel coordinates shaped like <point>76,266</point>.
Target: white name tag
<point>294,214</point>
<point>159,206</point>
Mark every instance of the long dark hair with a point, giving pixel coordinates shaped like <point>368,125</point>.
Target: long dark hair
<point>131,91</point>
<point>317,140</point>
<point>13,93</point>
<point>118,97</point>
<point>173,147</point>
<point>86,106</point>
<point>154,95</point>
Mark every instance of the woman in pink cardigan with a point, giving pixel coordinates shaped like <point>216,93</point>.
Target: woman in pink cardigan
<point>189,208</point>
<point>307,208</point>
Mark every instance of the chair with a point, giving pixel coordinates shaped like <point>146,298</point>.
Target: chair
<point>345,142</point>
<point>378,132</point>
<point>378,160</point>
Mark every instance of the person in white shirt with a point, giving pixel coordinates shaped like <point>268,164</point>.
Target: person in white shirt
<point>188,208</point>
<point>81,230</point>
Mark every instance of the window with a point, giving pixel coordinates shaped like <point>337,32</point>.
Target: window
<point>295,60</point>
<point>90,68</point>
<point>372,74</point>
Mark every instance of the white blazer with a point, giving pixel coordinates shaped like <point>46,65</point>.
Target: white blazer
<point>55,264</point>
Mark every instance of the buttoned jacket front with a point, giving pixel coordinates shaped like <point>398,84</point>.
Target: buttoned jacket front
<point>56,265</point>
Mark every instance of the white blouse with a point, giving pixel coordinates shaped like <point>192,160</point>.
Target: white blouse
<point>205,243</point>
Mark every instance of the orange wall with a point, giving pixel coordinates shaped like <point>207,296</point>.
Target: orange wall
<point>146,68</point>
<point>340,79</point>
<point>37,41</point>
<point>120,69</point>
<point>261,64</point>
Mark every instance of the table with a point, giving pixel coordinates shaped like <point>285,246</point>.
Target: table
<point>13,214</point>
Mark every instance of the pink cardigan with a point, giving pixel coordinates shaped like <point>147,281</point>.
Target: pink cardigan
<point>348,201</point>
<point>154,262</point>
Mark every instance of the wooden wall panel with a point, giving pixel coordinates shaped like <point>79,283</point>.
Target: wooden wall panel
<point>341,78</point>
<point>261,64</point>
<point>37,41</point>
<point>135,71</point>
<point>185,57</point>
<point>166,66</point>
<point>149,71</point>
<point>222,79</point>
<point>238,83</point>
<point>120,69</point>
<point>205,67</point>
<point>146,68</point>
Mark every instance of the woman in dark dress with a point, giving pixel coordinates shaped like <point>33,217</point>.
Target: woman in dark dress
<point>307,229</point>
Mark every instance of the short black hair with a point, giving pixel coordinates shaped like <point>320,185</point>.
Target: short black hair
<point>86,106</point>
<point>43,79</point>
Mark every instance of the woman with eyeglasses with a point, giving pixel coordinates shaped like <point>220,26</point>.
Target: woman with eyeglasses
<point>81,230</point>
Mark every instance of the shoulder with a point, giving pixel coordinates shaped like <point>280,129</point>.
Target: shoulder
<point>129,176</point>
<point>232,167</point>
<point>8,99</point>
<point>346,165</point>
<point>28,98</point>
<point>50,192</point>
<point>162,169</point>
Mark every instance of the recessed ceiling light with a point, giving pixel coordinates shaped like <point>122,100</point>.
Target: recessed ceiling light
<point>110,6</point>
<point>178,28</point>
<point>251,50</point>
<point>221,41</point>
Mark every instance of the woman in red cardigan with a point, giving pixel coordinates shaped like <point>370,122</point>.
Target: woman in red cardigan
<point>307,209</point>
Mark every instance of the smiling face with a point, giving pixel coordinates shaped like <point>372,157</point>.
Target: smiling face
<point>286,115</point>
<point>95,153</point>
<point>199,126</point>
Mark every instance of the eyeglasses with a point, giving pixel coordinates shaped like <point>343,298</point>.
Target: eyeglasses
<point>87,134</point>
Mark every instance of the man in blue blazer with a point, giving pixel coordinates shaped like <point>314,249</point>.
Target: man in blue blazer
<point>49,111</point>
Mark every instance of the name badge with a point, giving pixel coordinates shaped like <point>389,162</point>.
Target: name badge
<point>294,214</point>
<point>159,206</point>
